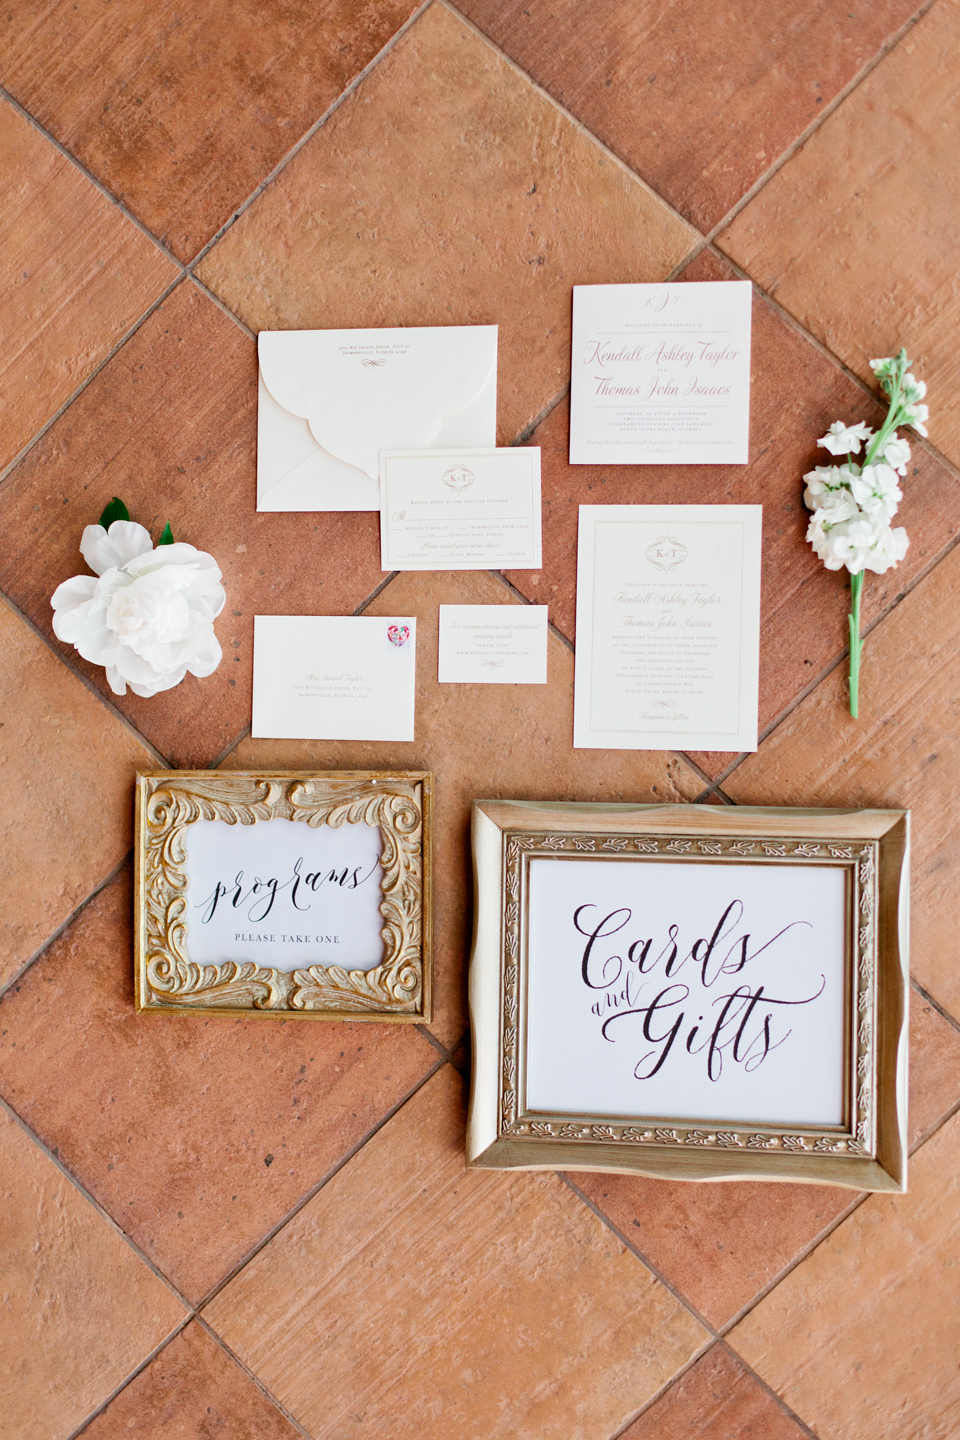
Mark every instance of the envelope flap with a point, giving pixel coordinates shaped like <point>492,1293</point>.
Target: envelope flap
<point>365,390</point>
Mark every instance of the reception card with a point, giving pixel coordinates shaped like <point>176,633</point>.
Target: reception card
<point>660,374</point>
<point>460,509</point>
<point>333,677</point>
<point>493,644</point>
<point>668,627</point>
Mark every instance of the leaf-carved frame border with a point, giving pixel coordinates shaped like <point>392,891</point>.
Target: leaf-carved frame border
<point>166,979</point>
<point>868,1151</point>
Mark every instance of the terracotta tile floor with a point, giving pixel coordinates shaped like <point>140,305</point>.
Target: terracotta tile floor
<point>259,1230</point>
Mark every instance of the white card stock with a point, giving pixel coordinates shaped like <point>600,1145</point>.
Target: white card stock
<point>331,400</point>
<point>668,627</point>
<point>334,677</point>
<point>460,509</point>
<point>493,644</point>
<point>660,374</point>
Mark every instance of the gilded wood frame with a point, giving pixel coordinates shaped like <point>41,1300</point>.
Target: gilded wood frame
<point>867,1152</point>
<point>166,979</point>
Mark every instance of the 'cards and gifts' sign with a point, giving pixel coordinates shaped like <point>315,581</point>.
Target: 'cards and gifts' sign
<point>682,989</point>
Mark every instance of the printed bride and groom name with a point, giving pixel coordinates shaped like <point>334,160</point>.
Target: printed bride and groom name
<point>683,1016</point>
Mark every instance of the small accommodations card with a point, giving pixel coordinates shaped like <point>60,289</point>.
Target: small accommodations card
<point>493,644</point>
<point>331,400</point>
<point>333,677</point>
<point>460,509</point>
<point>668,627</point>
<point>660,374</point>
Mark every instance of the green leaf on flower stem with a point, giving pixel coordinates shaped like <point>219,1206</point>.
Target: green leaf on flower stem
<point>167,537</point>
<point>116,510</point>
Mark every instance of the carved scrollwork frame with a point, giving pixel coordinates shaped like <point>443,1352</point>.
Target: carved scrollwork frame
<point>867,1151</point>
<point>167,979</point>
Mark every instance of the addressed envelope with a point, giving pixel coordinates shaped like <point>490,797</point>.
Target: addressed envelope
<point>331,400</point>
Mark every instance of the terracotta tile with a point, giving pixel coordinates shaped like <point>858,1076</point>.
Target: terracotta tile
<point>480,741</point>
<point>699,100</point>
<point>902,752</point>
<point>193,1390</point>
<point>81,1309</point>
<point>795,395</point>
<point>170,426</point>
<point>499,1304</point>
<point>720,1244</point>
<point>504,205</point>
<point>196,1134</point>
<point>75,276</point>
<point>716,1399</point>
<point>857,234</point>
<point>68,768</point>
<point>862,1338</point>
<point>183,113</point>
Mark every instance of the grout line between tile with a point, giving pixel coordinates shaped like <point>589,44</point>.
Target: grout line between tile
<point>658,1395</point>
<point>334,1169</point>
<point>635,1250</point>
<point>216,763</point>
<point>819,120</point>
<point>700,774</point>
<point>308,135</point>
<point>178,1329</point>
<point>252,1375</point>
<point>89,175</point>
<point>220,304</point>
<point>940,1009</point>
<point>378,590</point>
<point>778,1399</point>
<point>523,435</point>
<point>53,646</point>
<point>791,1265</point>
<point>74,915</point>
<point>425,1033</point>
<point>78,1185</point>
<point>525,600</point>
<point>128,335</point>
<point>938,1124</point>
<point>696,235</point>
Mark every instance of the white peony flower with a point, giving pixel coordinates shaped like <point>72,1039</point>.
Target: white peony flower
<point>843,439</point>
<point>825,482</point>
<point>895,452</point>
<point>149,617</point>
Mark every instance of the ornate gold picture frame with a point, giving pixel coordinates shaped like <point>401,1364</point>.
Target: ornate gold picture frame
<point>387,813</point>
<point>771,1036</point>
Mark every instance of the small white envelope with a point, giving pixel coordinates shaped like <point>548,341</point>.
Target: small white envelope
<point>331,400</point>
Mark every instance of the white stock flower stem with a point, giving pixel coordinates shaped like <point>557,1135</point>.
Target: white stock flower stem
<point>856,586</point>
<point>874,448</point>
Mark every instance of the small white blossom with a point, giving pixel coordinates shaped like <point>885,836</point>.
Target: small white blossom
<point>895,452</point>
<point>149,617</point>
<point>843,439</point>
<point>876,492</point>
<point>913,389</point>
<point>881,368</point>
<point>915,416</point>
<point>888,549</point>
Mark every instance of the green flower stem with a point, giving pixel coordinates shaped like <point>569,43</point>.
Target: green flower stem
<point>856,586</point>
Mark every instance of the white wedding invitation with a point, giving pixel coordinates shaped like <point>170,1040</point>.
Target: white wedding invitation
<point>660,374</point>
<point>333,677</point>
<point>493,645</point>
<point>668,627</point>
<point>331,400</point>
<point>460,509</point>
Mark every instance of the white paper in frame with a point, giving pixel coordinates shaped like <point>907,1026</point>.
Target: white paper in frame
<point>691,992</point>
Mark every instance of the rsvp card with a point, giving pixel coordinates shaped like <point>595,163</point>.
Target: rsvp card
<point>660,374</point>
<point>460,509</point>
<point>333,677</point>
<point>493,644</point>
<point>668,627</point>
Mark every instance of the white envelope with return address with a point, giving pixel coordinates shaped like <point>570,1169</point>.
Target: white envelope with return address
<point>331,400</point>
